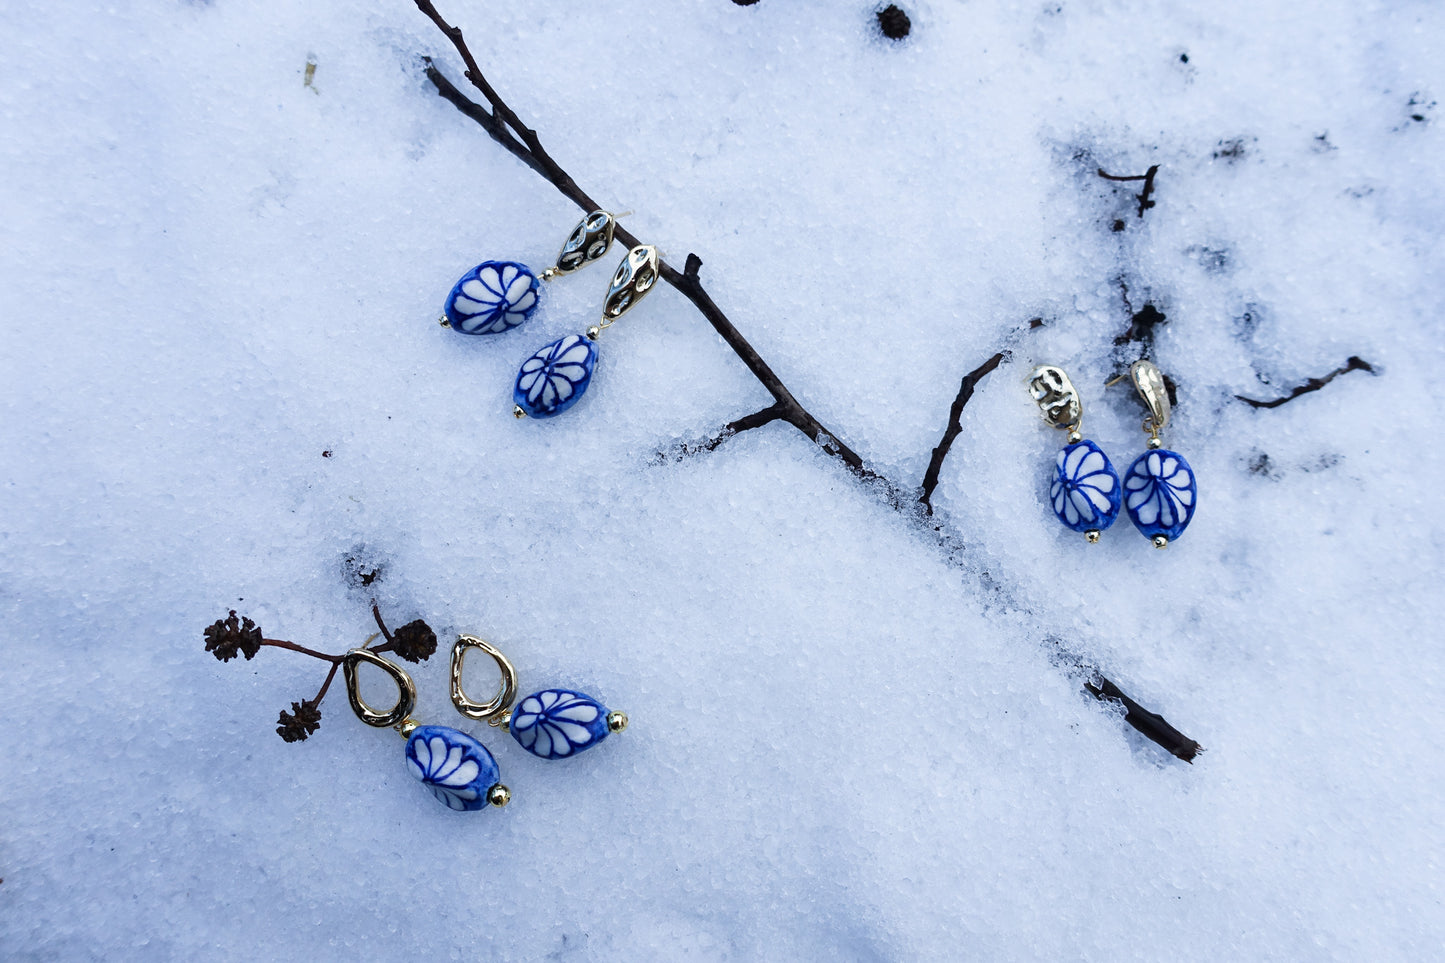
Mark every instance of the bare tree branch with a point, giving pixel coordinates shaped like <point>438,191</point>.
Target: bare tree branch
<point>504,126</point>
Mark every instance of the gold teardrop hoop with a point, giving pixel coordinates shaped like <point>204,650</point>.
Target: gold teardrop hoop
<point>493,710</point>
<point>406,689</point>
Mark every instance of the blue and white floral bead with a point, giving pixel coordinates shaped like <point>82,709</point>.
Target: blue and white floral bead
<point>457,769</point>
<point>1085,493</point>
<point>1160,493</point>
<point>553,379</point>
<point>492,297</point>
<point>556,723</point>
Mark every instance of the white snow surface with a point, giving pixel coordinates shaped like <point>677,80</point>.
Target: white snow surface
<point>847,742</point>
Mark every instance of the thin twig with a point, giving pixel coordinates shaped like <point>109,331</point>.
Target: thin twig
<point>327,684</point>
<point>1150,724</point>
<point>1314,384</point>
<point>376,614</point>
<point>281,644</point>
<point>757,419</point>
<point>1147,177</point>
<point>955,427</point>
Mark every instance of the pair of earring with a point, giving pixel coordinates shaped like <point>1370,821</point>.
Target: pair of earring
<point>1158,491</point>
<point>496,296</point>
<point>456,767</point>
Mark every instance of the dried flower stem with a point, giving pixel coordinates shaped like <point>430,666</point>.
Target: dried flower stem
<point>233,636</point>
<point>282,644</point>
<point>316,700</point>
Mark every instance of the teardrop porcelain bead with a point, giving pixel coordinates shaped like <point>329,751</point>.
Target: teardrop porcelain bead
<point>454,766</point>
<point>553,379</point>
<point>1160,492</point>
<point>493,297</point>
<point>557,723</point>
<point>1086,492</point>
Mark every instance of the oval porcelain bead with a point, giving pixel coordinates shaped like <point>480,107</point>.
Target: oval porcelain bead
<point>553,379</point>
<point>492,297</point>
<point>455,767</point>
<point>1086,492</point>
<point>1159,492</point>
<point>556,723</point>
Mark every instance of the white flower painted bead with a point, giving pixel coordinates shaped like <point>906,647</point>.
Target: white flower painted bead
<point>455,767</point>
<point>556,723</point>
<point>1160,493</point>
<point>553,379</point>
<point>492,297</point>
<point>1085,493</point>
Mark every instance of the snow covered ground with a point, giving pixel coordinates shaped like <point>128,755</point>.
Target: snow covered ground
<point>845,743</point>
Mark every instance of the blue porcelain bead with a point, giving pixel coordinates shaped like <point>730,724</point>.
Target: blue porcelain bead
<point>553,379</point>
<point>492,297</point>
<point>455,767</point>
<point>556,723</point>
<point>1160,493</point>
<point>1086,492</point>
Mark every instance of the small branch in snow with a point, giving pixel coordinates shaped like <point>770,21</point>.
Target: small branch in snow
<point>1147,177</point>
<point>757,419</point>
<point>1314,384</point>
<point>1151,724</point>
<point>955,427</point>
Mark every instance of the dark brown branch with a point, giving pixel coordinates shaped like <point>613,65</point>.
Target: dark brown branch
<point>757,419</point>
<point>281,644</point>
<point>327,684</point>
<point>788,408</point>
<point>501,123</point>
<point>1314,384</point>
<point>1147,177</point>
<point>955,426</point>
<point>1153,726</point>
<point>376,614</point>
<point>495,128</point>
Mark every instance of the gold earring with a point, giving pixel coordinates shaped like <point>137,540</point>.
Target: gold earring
<point>458,769</point>
<point>550,724</point>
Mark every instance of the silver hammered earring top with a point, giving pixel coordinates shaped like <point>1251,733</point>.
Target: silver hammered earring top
<point>1149,382</point>
<point>1057,399</point>
<point>634,277</point>
<point>589,240</point>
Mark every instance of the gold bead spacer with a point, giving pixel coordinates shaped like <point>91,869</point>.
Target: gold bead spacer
<point>1161,541</point>
<point>499,795</point>
<point>444,322</point>
<point>1092,535</point>
<point>1075,437</point>
<point>406,727</point>
<point>1155,443</point>
<point>593,333</point>
<point>517,412</point>
<point>616,721</point>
